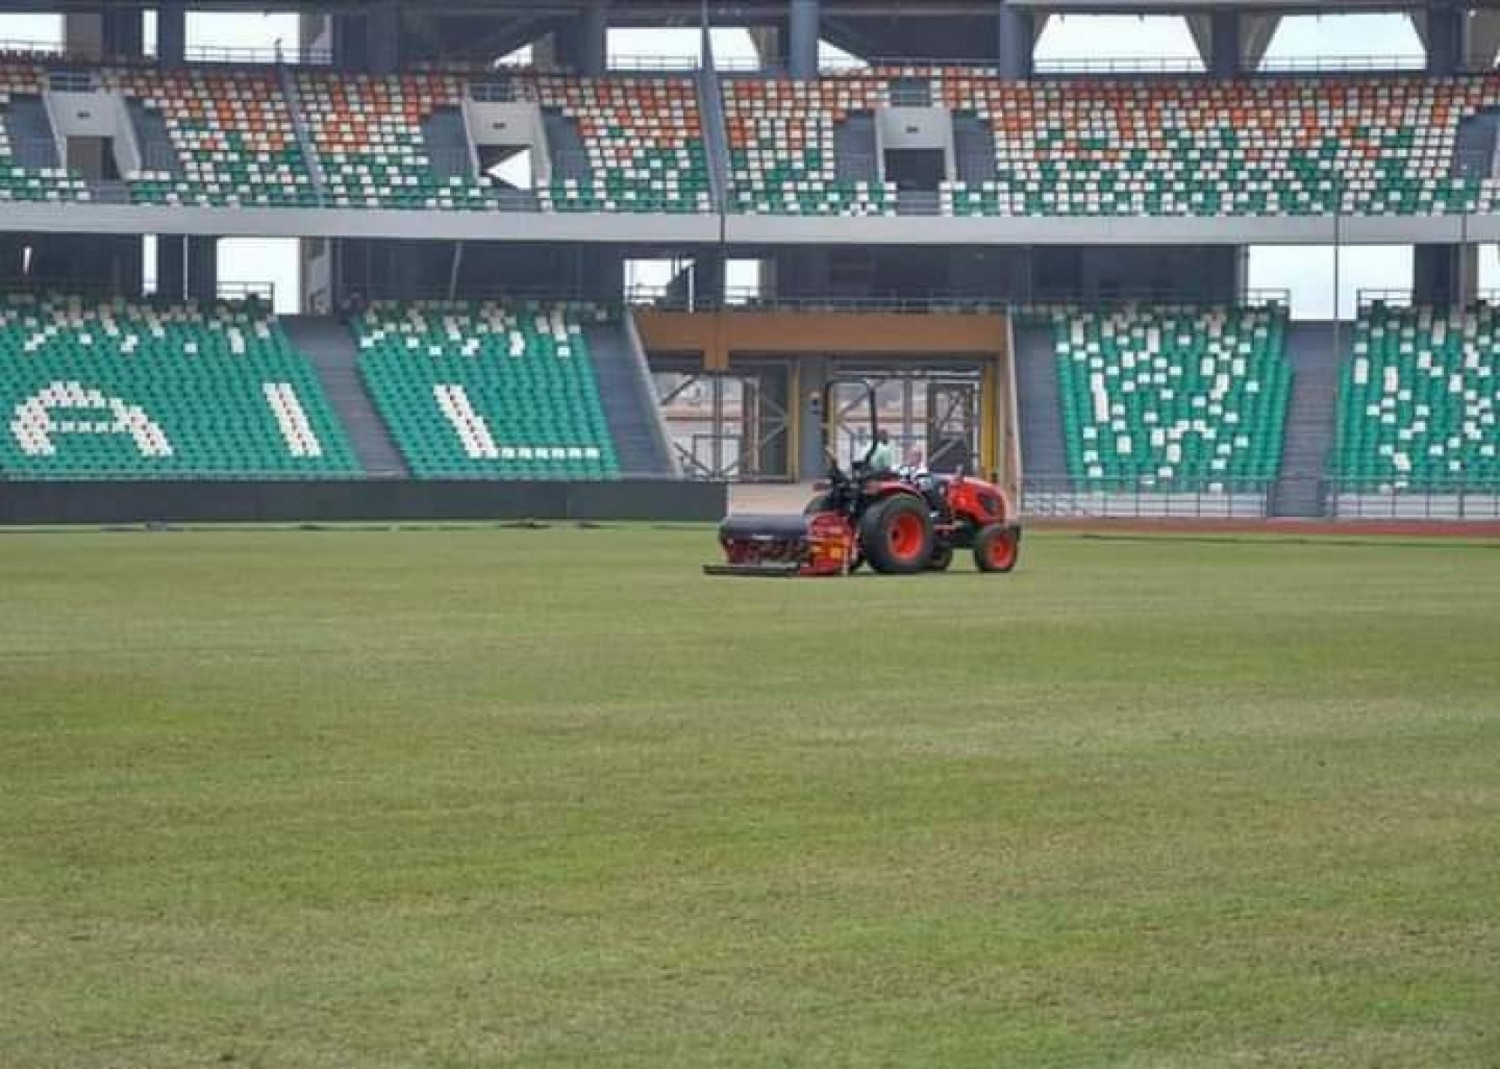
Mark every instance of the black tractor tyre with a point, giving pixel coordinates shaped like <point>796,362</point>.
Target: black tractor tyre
<point>895,535</point>
<point>817,504</point>
<point>941,558</point>
<point>997,548</point>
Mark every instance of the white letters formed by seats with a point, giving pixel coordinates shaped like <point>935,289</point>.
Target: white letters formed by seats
<point>472,430</point>
<point>296,430</point>
<point>479,443</point>
<point>35,426</point>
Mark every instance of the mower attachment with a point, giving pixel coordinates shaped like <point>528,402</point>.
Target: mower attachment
<point>784,545</point>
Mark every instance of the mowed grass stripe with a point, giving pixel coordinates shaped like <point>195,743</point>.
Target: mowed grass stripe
<point>552,798</point>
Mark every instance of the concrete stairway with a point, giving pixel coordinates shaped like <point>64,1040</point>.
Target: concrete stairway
<point>854,149</point>
<point>1044,454</point>
<point>32,142</point>
<point>973,149</point>
<point>330,348</point>
<point>153,138</point>
<point>447,142</point>
<point>1310,418</point>
<point>629,399</point>
<point>715,132</point>
<point>570,158</point>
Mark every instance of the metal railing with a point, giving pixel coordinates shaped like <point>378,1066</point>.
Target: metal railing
<point>224,54</point>
<point>1404,298</point>
<point>749,298</point>
<point>1400,61</point>
<point>1118,65</point>
<point>1062,497</point>
<point>502,91</point>
<point>630,64</point>
<point>234,291</point>
<point>1438,499</point>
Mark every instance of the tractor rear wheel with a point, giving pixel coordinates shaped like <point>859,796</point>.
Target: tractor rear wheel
<point>997,548</point>
<point>895,535</point>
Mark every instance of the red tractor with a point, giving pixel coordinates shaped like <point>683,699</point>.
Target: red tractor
<point>898,522</point>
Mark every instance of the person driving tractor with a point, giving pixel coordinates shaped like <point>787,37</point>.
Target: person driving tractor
<point>883,455</point>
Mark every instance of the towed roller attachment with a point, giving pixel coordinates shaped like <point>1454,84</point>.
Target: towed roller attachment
<point>757,544</point>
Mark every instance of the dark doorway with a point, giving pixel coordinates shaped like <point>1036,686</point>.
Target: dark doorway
<point>915,169</point>
<point>94,158</point>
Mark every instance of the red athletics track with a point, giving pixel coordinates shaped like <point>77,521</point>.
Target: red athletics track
<point>1489,529</point>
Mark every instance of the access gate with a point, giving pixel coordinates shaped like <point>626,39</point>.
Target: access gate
<point>734,426</point>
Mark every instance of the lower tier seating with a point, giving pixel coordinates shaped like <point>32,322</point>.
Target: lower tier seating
<point>1418,400</point>
<point>1172,398</point>
<point>474,390</point>
<point>21,85</point>
<point>134,390</point>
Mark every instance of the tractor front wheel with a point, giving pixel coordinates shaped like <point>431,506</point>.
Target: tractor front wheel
<point>997,548</point>
<point>941,558</point>
<point>895,535</point>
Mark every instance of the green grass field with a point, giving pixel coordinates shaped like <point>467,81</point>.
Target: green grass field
<point>485,797</point>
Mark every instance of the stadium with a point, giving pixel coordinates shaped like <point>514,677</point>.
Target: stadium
<point>375,376</point>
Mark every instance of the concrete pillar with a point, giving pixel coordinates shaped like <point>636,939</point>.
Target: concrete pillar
<point>83,35</point>
<point>1017,43</point>
<point>124,32</point>
<point>1225,49</point>
<point>171,266</point>
<point>802,33</point>
<point>1445,274</point>
<point>351,43</point>
<point>203,268</point>
<point>811,463</point>
<point>1446,40</point>
<point>171,33</point>
<point>593,58</point>
<point>582,44</point>
<point>708,277</point>
<point>601,275</point>
<point>383,39</point>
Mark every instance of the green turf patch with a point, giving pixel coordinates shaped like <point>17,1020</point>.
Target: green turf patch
<point>501,797</point>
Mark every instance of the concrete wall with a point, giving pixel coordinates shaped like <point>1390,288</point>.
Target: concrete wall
<point>352,500</point>
<point>748,230</point>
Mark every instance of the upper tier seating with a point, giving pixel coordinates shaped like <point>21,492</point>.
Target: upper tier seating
<point>781,146</point>
<point>642,139</point>
<point>1418,400</point>
<point>488,390</point>
<point>231,132</point>
<point>18,182</point>
<point>368,134</point>
<point>134,390</point>
<point>1272,146</point>
<point>1172,398</point>
<point>1288,146</point>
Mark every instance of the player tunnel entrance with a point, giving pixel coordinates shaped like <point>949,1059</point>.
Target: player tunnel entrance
<point>734,425</point>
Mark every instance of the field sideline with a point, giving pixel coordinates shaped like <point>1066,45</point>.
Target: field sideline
<point>484,797</point>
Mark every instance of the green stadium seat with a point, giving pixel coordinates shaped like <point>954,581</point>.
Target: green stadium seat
<point>781,146</point>
<point>1418,401</point>
<point>501,391</point>
<point>232,134</point>
<point>133,390</point>
<point>18,183</point>
<point>644,139</point>
<point>1171,398</point>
